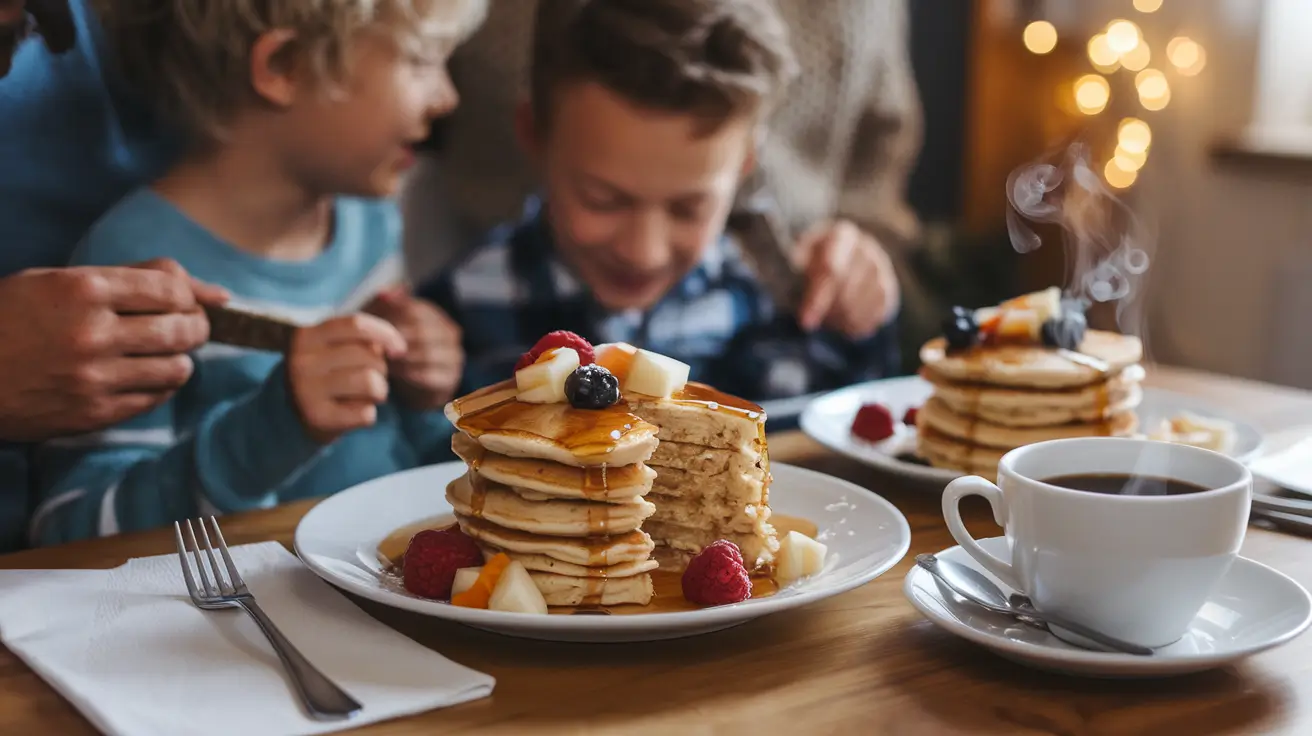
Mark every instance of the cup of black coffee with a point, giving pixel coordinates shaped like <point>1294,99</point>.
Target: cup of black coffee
<point>1126,536</point>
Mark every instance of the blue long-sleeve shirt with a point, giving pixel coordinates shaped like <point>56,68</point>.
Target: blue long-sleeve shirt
<point>230,439</point>
<point>72,142</point>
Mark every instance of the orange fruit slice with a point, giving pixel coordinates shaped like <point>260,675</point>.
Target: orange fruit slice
<point>481,591</point>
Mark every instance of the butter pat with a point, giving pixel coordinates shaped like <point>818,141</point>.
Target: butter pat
<point>799,556</point>
<point>656,375</point>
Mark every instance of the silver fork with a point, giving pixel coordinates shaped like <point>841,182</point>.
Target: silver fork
<point>322,699</point>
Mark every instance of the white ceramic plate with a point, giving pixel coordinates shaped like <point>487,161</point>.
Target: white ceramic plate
<point>1254,608</point>
<point>338,539</point>
<point>828,420</point>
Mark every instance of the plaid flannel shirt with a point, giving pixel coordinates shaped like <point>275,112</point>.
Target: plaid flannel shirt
<point>513,289</point>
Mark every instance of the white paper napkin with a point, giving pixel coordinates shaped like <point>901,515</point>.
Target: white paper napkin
<point>130,651</point>
<point>1289,468</point>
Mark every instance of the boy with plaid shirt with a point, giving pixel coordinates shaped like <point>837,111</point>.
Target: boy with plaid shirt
<point>643,122</point>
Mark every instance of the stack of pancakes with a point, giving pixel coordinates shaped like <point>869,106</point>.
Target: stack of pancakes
<point>991,399</point>
<point>712,476</point>
<point>570,492</point>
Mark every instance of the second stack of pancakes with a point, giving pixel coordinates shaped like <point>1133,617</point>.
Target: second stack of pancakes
<point>990,400</point>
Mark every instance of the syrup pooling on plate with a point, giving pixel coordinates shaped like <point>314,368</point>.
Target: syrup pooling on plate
<point>668,597</point>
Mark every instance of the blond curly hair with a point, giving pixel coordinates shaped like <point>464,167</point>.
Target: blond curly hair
<point>191,58</point>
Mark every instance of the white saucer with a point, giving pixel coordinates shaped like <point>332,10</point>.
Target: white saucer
<point>338,539</point>
<point>828,420</point>
<point>1253,609</point>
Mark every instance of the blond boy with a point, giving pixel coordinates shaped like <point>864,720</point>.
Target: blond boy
<point>296,119</point>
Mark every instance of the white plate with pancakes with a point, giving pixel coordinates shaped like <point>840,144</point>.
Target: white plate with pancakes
<point>347,539</point>
<point>828,420</point>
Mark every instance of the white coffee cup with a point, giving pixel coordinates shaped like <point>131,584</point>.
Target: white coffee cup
<point>1136,567</point>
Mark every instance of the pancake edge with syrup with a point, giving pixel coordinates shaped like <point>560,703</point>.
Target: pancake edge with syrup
<point>1102,354</point>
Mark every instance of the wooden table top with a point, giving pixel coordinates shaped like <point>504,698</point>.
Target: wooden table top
<point>862,662</point>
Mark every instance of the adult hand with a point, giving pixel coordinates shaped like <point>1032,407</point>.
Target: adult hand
<point>338,373</point>
<point>52,20</point>
<point>429,373</point>
<point>851,286</point>
<point>83,348</point>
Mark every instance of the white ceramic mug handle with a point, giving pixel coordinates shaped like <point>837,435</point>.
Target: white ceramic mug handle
<point>974,485</point>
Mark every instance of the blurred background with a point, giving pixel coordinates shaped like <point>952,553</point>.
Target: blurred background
<point>1198,114</point>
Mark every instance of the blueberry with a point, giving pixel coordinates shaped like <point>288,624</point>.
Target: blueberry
<point>960,329</point>
<point>592,387</point>
<point>1066,331</point>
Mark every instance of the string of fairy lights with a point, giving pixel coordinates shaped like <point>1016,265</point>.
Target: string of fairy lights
<point>1120,47</point>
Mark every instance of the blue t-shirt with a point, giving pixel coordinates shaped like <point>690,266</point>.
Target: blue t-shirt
<point>72,142</point>
<point>231,440</point>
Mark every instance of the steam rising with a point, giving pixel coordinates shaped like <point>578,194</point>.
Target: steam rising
<point>1107,247</point>
<point>1107,253</point>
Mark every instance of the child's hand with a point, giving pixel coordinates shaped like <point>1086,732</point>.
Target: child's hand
<point>429,373</point>
<point>851,286</point>
<point>338,373</point>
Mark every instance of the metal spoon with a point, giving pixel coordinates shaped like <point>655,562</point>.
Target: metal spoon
<point>981,591</point>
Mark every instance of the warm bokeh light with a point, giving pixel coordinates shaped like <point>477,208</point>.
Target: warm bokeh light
<point>1092,94</point>
<point>1123,36</point>
<point>1118,177</point>
<point>1151,84</point>
<point>1186,55</point>
<point>1101,55</point>
<point>1127,161</point>
<point>1147,6</point>
<point>1137,58</point>
<point>1153,104</point>
<point>1133,136</point>
<point>1183,52</point>
<point>1198,64</point>
<point>1040,37</point>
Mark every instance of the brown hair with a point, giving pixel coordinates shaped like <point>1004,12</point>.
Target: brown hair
<point>715,59</point>
<point>191,58</point>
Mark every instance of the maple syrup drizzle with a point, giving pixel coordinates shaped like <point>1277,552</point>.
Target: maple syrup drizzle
<point>584,433</point>
<point>699,393</point>
<point>478,493</point>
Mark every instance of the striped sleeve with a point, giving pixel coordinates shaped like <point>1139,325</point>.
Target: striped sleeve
<point>141,475</point>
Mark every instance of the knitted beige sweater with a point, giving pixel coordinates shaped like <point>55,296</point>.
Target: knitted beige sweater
<point>841,143</point>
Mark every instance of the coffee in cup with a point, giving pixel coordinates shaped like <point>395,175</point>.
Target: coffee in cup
<point>1125,536</point>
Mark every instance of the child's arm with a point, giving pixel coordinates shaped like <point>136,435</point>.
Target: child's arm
<point>427,376</point>
<point>143,474</point>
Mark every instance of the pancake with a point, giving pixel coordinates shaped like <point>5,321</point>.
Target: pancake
<point>942,451</point>
<point>702,460</point>
<point>937,415</point>
<point>758,549</point>
<point>700,415</point>
<point>556,432</point>
<point>588,552</point>
<point>1035,366</point>
<point>565,590</point>
<point>478,497</point>
<point>605,483</point>
<point>1015,407</point>
<point>542,563</point>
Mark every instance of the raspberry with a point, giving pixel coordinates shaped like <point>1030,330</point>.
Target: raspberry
<point>874,422</point>
<point>430,563</point>
<point>558,339</point>
<point>716,576</point>
<point>909,418</point>
<point>726,547</point>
